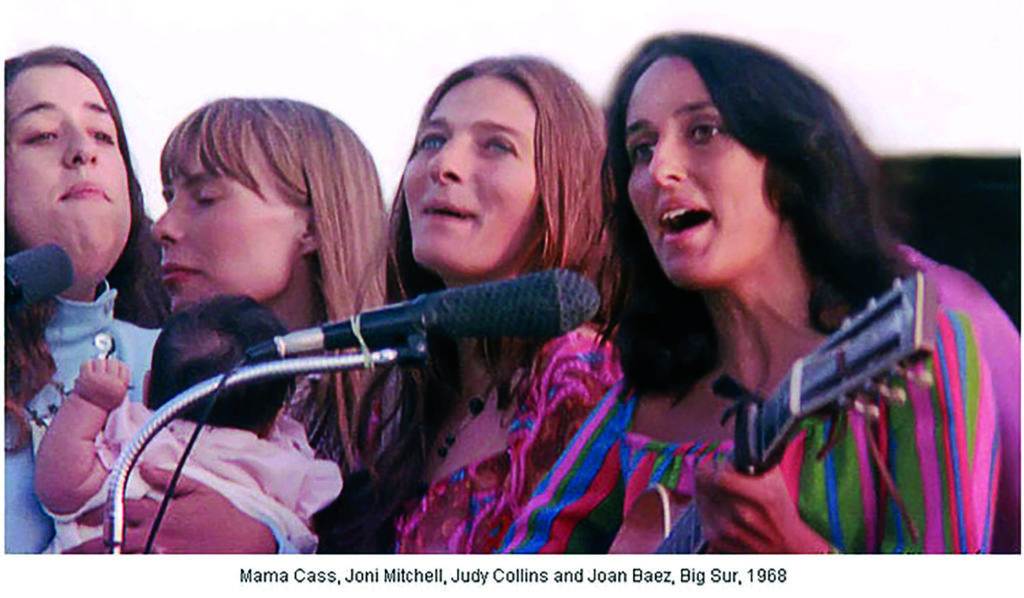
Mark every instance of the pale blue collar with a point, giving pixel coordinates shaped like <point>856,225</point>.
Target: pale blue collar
<point>81,320</point>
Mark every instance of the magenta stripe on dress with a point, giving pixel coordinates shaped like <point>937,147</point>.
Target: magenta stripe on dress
<point>639,480</point>
<point>929,459</point>
<point>867,480</point>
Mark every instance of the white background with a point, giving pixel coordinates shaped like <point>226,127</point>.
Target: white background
<point>918,77</point>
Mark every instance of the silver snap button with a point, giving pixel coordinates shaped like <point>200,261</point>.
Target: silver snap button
<point>104,344</point>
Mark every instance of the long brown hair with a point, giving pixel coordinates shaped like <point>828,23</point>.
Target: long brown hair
<point>413,404</point>
<point>320,162</point>
<point>140,297</point>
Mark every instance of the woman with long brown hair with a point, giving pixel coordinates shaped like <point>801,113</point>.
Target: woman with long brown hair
<point>503,180</point>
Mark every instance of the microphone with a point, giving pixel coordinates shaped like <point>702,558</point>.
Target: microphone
<point>36,274</point>
<point>540,305</point>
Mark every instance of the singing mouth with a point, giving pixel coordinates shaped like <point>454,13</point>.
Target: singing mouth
<point>682,219</point>
<point>448,212</point>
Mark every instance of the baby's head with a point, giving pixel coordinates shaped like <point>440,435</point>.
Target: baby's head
<point>205,340</point>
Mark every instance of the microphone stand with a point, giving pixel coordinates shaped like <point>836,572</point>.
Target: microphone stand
<point>414,352</point>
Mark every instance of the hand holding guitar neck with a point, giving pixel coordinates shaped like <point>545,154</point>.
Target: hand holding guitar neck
<point>743,514</point>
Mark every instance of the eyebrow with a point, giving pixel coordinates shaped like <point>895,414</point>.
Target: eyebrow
<point>41,106</point>
<point>195,179</point>
<point>480,124</point>
<point>684,109</point>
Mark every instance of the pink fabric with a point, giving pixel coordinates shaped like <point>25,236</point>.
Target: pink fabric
<point>282,466</point>
<point>999,345</point>
<point>470,510</point>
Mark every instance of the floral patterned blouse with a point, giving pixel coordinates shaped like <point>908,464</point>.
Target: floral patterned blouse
<point>470,510</point>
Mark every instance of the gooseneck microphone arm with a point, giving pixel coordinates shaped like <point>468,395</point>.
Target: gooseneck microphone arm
<point>414,353</point>
<point>542,305</point>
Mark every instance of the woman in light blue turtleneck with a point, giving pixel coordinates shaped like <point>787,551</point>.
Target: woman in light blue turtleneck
<point>79,330</point>
<point>69,181</point>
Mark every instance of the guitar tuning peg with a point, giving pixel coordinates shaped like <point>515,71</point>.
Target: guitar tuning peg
<point>869,410</point>
<point>892,394</point>
<point>898,283</point>
<point>921,376</point>
<point>872,303</point>
<point>845,324</point>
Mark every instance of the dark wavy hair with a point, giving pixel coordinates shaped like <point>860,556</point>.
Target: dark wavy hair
<point>413,404</point>
<point>140,297</point>
<point>205,340</point>
<point>820,177</point>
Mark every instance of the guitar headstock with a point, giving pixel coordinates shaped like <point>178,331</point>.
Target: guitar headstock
<point>860,360</point>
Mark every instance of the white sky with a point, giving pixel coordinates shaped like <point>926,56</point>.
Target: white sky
<point>917,77</point>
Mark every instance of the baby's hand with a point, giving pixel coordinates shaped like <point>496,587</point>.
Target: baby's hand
<point>103,382</point>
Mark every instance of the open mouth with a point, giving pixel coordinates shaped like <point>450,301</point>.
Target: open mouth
<point>682,219</point>
<point>447,212</point>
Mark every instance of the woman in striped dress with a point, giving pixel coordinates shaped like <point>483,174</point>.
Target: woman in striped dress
<point>742,206</point>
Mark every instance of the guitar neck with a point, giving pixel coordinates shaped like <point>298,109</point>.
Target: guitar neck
<point>896,327</point>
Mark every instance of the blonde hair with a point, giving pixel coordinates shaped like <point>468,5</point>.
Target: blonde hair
<point>319,162</point>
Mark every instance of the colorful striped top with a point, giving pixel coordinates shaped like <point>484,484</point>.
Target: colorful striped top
<point>940,446</point>
<point>470,510</point>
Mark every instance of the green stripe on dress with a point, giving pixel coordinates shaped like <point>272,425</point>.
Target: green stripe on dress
<point>595,534</point>
<point>969,377</point>
<point>848,486</point>
<point>907,471</point>
<point>812,503</point>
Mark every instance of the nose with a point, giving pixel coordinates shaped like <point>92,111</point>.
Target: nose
<point>80,151</point>
<point>668,164</point>
<point>448,163</point>
<point>167,231</point>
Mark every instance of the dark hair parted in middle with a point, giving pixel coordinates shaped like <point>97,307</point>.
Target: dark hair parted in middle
<point>141,299</point>
<point>820,177</point>
<point>568,145</point>
<point>207,339</point>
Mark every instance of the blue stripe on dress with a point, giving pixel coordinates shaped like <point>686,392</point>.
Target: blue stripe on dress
<point>897,517</point>
<point>583,474</point>
<point>987,539</point>
<point>832,496</point>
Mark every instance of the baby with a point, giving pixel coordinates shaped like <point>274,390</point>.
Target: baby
<point>251,453</point>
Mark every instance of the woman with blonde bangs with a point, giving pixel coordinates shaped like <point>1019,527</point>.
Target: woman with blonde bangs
<point>277,200</point>
<point>504,179</point>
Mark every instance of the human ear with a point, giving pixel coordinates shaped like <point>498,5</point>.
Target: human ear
<point>308,242</point>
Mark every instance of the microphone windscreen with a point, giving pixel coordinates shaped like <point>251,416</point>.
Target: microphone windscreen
<point>541,305</point>
<point>40,273</point>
